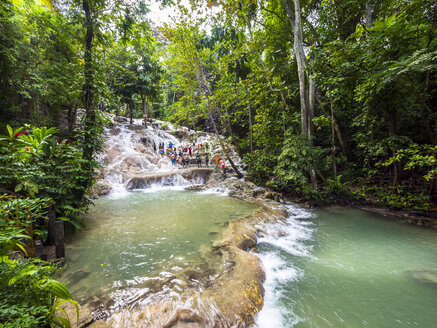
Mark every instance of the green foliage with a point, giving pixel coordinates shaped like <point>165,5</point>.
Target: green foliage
<point>36,162</point>
<point>293,163</point>
<point>15,216</point>
<point>28,293</point>
<point>40,70</point>
<point>416,157</point>
<point>261,165</point>
<point>400,198</point>
<point>377,76</point>
<point>336,188</point>
<point>377,79</point>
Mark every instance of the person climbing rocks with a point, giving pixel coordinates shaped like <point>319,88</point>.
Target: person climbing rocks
<point>223,166</point>
<point>199,160</point>
<point>189,150</point>
<point>178,160</point>
<point>170,145</point>
<point>154,146</point>
<point>217,158</point>
<point>207,160</point>
<point>173,159</point>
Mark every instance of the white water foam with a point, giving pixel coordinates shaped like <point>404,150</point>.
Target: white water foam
<point>292,238</point>
<point>220,190</point>
<point>128,151</point>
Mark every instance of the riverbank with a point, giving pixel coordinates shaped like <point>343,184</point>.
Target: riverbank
<point>367,203</point>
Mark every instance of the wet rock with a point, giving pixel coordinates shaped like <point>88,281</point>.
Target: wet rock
<point>114,131</point>
<point>101,188</point>
<point>99,324</point>
<point>428,276</point>
<point>277,197</point>
<point>281,233</point>
<point>181,134</point>
<point>136,127</point>
<point>196,175</point>
<point>140,148</point>
<point>184,317</point>
<point>85,316</point>
<point>195,187</point>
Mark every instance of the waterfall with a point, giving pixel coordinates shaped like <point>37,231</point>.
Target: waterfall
<point>129,155</point>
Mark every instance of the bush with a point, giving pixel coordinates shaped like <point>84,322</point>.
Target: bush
<point>28,293</point>
<point>400,198</point>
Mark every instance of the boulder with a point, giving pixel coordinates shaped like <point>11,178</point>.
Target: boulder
<point>428,276</point>
<point>181,134</point>
<point>114,131</point>
<point>102,187</point>
<point>99,324</point>
<point>136,127</point>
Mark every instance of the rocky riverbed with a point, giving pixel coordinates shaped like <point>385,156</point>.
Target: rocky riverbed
<point>223,295</point>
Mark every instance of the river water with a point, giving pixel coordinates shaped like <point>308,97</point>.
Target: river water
<point>348,268</point>
<point>145,235</point>
<point>324,268</point>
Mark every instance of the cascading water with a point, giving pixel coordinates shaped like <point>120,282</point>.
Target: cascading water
<point>346,268</point>
<point>128,152</point>
<point>292,237</point>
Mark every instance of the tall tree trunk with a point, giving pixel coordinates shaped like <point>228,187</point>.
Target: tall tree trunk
<point>249,108</point>
<point>117,112</point>
<point>144,101</point>
<point>203,84</point>
<point>306,96</point>
<point>223,145</point>
<point>88,90</point>
<point>264,69</point>
<point>369,14</point>
<point>131,112</point>
<point>334,162</point>
<point>228,126</point>
<point>72,114</point>
<point>392,133</point>
<point>343,142</point>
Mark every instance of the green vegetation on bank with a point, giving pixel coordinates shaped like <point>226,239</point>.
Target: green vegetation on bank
<point>323,99</point>
<point>40,173</point>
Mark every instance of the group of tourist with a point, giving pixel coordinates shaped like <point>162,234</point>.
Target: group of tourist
<point>183,155</point>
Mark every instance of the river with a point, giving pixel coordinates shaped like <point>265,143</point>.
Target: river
<point>348,268</point>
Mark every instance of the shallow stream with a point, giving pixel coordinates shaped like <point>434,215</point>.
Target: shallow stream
<point>146,235</point>
<point>324,268</point>
<point>348,268</point>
